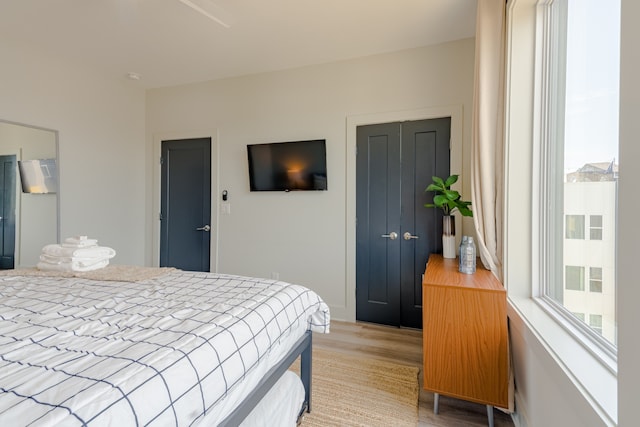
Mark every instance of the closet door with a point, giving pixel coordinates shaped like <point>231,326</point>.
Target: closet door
<point>378,224</point>
<point>425,153</point>
<point>395,233</point>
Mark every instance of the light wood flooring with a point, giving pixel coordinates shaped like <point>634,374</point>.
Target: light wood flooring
<point>405,346</point>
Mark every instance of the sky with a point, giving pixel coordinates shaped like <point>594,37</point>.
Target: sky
<point>593,81</point>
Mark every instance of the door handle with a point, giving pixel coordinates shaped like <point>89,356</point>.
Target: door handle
<point>393,235</point>
<point>408,236</point>
<point>205,228</point>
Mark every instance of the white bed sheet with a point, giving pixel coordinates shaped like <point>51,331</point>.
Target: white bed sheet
<point>235,396</point>
<point>166,351</point>
<point>280,406</point>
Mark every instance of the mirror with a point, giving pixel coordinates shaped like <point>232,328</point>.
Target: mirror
<point>29,220</point>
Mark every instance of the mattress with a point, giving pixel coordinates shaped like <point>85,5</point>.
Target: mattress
<point>170,350</point>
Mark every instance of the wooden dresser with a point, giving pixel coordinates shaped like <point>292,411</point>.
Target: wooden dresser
<point>465,342</point>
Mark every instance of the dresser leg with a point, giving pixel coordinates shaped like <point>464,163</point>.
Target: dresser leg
<point>490,414</point>
<point>436,402</point>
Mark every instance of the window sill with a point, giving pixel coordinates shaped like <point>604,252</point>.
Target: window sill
<point>589,368</point>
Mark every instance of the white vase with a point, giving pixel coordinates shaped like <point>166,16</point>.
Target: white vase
<point>448,246</point>
<point>449,236</point>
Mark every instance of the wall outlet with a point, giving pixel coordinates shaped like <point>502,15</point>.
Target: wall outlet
<point>275,275</point>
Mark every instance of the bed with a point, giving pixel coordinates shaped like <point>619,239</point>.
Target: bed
<point>152,347</point>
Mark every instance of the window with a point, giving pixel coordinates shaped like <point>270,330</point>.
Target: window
<point>574,278</point>
<point>595,227</point>
<point>537,249</point>
<point>579,139</point>
<point>595,279</point>
<point>575,227</point>
<point>580,316</point>
<point>595,321</point>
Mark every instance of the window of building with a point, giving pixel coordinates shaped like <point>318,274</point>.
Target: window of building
<point>579,316</point>
<point>578,160</point>
<point>574,227</point>
<point>574,278</point>
<point>595,321</point>
<point>595,279</point>
<point>595,227</point>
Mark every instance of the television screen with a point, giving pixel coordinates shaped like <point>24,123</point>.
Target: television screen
<point>288,166</point>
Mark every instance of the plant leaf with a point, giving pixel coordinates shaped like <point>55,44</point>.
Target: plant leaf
<point>451,194</point>
<point>438,181</point>
<point>447,199</point>
<point>465,211</point>
<point>439,200</point>
<point>451,180</point>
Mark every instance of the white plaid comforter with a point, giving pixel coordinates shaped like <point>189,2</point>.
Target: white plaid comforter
<point>161,352</point>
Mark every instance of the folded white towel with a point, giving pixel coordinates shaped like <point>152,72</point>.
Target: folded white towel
<point>73,261</point>
<point>88,252</point>
<point>65,266</point>
<point>79,242</point>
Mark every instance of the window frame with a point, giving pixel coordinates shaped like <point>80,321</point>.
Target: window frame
<point>591,371</point>
<point>548,168</point>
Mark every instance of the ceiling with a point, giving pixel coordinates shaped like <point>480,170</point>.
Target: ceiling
<point>167,43</point>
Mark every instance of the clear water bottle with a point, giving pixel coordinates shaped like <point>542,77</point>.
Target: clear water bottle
<point>462,252</point>
<point>469,257</point>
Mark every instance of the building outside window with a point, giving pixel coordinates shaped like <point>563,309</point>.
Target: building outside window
<point>581,172</point>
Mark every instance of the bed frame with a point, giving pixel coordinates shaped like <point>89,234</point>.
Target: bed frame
<point>302,348</point>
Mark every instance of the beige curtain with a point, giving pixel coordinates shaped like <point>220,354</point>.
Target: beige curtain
<point>487,140</point>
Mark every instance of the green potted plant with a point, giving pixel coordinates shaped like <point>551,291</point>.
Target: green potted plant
<point>449,201</point>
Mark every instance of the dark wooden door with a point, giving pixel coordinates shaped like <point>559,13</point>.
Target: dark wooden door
<point>395,233</point>
<point>378,223</point>
<point>7,211</point>
<point>185,206</point>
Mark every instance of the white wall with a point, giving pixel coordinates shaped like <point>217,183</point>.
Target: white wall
<point>302,235</point>
<point>101,142</point>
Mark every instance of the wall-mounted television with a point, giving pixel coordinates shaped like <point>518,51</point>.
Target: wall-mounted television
<point>288,166</point>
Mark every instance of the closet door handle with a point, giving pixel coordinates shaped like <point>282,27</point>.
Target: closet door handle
<point>205,228</point>
<point>393,235</point>
<point>409,236</point>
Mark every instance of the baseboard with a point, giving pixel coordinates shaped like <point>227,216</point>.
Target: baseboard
<point>519,417</point>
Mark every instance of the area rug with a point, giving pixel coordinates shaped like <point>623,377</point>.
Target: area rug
<point>353,391</point>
